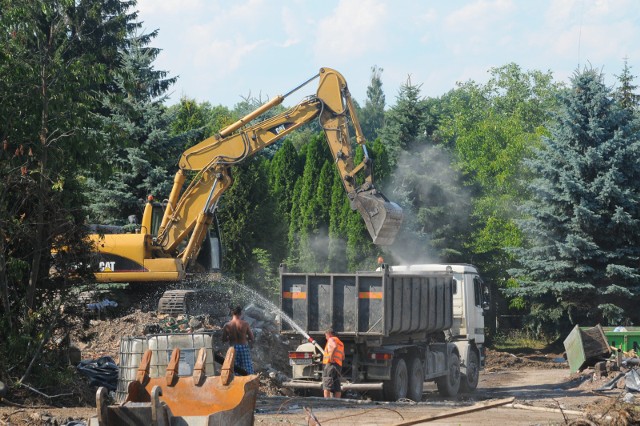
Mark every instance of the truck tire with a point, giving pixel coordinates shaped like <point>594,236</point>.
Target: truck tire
<point>469,381</point>
<point>449,384</point>
<point>396,388</point>
<point>416,380</point>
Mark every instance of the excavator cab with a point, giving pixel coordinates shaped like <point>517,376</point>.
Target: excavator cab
<point>209,258</point>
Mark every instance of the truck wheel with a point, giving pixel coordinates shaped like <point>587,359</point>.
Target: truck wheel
<point>469,381</point>
<point>416,380</point>
<point>449,384</point>
<point>396,388</point>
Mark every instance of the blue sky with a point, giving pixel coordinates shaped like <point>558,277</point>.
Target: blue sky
<point>223,51</point>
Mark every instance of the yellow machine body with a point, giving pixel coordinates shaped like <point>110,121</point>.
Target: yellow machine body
<point>166,255</point>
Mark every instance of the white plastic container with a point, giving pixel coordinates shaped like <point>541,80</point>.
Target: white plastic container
<point>162,345</point>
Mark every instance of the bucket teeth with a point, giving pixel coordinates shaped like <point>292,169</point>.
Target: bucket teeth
<point>382,217</point>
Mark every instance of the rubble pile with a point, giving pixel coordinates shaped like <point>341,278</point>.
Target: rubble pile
<point>100,337</point>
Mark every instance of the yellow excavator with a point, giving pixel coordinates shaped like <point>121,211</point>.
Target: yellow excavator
<point>165,250</point>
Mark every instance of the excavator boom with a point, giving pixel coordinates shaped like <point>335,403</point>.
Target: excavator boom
<point>212,159</point>
<point>165,250</point>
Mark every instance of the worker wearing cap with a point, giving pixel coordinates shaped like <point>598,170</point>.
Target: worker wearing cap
<point>332,360</point>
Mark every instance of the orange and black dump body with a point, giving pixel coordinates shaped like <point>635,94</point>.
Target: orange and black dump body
<point>385,306</point>
<point>392,325</point>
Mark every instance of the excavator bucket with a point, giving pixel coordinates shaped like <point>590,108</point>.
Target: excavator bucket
<point>382,217</point>
<point>183,400</point>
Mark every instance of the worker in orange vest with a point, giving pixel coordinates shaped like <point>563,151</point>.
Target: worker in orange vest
<point>332,360</point>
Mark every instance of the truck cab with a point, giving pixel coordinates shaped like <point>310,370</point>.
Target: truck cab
<point>470,302</point>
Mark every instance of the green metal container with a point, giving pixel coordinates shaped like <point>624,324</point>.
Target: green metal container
<point>625,339</point>
<point>585,347</point>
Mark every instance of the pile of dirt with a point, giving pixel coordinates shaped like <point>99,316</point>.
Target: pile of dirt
<point>612,411</point>
<point>500,361</point>
<point>98,334</point>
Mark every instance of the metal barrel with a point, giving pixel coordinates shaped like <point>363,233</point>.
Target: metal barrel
<point>382,217</point>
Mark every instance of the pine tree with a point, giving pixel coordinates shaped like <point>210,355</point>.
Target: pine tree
<point>246,214</point>
<point>193,122</point>
<point>284,171</point>
<point>372,115</point>
<point>286,167</point>
<point>424,184</point>
<point>626,93</point>
<point>583,222</point>
<point>141,154</point>
<point>381,163</point>
<point>404,123</point>
<point>338,214</point>
<point>305,217</point>
<point>55,60</point>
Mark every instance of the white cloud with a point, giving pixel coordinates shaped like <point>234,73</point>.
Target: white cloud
<point>224,49</point>
<point>589,31</point>
<point>230,52</point>
<point>564,12</point>
<point>355,27</point>
<point>291,26</point>
<point>476,28</point>
<point>168,7</point>
<point>479,16</point>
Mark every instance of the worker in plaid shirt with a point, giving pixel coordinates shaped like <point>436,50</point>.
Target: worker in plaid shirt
<point>238,333</point>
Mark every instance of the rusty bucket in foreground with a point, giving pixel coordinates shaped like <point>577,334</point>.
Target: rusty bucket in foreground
<point>183,400</point>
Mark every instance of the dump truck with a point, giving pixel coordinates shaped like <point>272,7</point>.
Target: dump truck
<point>401,326</point>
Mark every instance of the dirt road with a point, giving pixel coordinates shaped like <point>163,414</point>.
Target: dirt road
<point>542,388</point>
<point>534,379</point>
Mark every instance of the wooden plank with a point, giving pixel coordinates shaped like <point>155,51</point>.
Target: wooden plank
<point>459,411</point>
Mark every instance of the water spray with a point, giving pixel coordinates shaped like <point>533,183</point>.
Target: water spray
<point>271,307</point>
<point>312,340</point>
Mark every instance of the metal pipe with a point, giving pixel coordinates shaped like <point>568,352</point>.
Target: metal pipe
<point>343,386</point>
<point>247,118</point>
<point>261,110</point>
<point>302,85</point>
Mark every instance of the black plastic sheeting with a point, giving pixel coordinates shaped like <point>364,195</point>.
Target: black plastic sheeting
<point>102,372</point>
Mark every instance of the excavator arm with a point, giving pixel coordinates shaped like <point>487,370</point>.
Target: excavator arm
<point>189,212</point>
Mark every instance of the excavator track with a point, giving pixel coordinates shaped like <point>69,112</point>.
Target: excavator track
<point>193,301</point>
<point>175,302</point>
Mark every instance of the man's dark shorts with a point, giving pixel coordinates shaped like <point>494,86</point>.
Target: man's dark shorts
<point>331,378</point>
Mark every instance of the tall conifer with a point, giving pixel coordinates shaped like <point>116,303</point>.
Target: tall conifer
<point>372,114</point>
<point>583,222</point>
<point>141,154</point>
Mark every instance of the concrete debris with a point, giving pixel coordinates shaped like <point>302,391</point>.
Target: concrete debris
<point>269,351</point>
